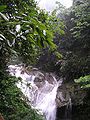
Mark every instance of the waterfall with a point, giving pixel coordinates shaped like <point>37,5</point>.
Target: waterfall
<point>39,88</point>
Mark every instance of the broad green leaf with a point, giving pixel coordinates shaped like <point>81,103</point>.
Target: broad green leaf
<point>2,7</point>
<point>2,36</point>
<point>59,56</point>
<point>4,17</point>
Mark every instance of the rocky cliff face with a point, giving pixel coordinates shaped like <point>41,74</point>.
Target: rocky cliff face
<point>70,91</point>
<point>75,102</point>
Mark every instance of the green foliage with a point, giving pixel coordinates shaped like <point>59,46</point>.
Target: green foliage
<point>2,7</point>
<point>13,104</point>
<point>58,55</point>
<point>25,29</point>
<point>84,81</point>
<point>82,20</point>
<point>74,45</point>
<point>56,24</point>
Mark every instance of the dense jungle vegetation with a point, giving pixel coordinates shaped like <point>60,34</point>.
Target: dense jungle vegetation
<point>59,42</point>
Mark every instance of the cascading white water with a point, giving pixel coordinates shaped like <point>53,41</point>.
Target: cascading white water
<point>40,90</point>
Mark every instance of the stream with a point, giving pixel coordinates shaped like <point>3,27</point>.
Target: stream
<point>40,89</point>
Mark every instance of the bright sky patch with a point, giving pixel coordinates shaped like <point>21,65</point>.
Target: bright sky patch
<point>50,4</point>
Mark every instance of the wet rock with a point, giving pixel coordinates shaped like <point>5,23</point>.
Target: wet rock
<point>39,82</point>
<point>63,96</point>
<point>67,91</point>
<point>49,77</point>
<point>75,104</point>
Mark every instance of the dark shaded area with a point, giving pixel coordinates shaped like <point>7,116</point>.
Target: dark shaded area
<point>76,112</point>
<point>79,112</point>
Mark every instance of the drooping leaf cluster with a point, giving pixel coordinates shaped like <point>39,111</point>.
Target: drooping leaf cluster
<point>23,27</point>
